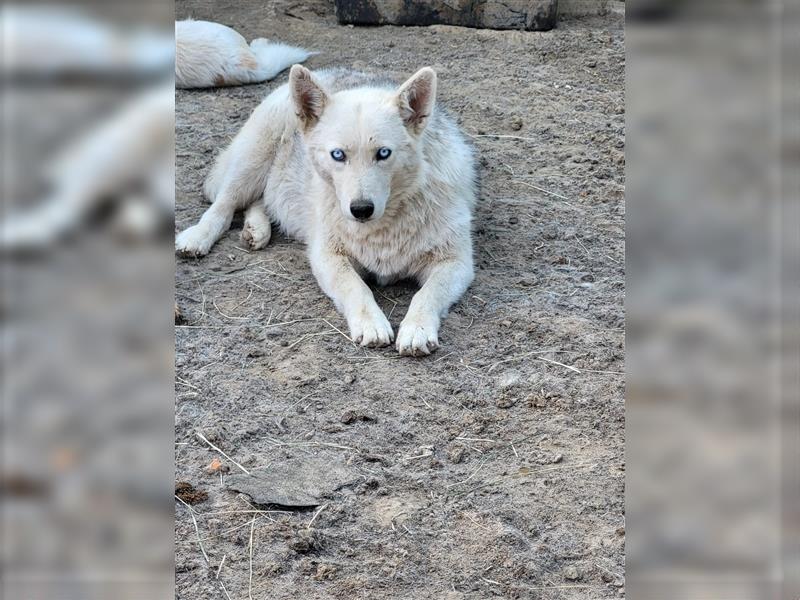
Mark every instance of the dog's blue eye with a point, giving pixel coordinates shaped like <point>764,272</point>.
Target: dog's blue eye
<point>338,155</point>
<point>383,153</point>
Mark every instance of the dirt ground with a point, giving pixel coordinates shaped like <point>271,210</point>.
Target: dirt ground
<point>491,469</point>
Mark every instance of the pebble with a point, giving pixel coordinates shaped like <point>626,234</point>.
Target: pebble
<point>572,574</point>
<point>455,455</point>
<point>504,402</point>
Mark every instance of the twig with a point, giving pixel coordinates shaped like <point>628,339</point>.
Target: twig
<point>307,336</point>
<point>202,437</point>
<point>502,137</point>
<point>214,302</point>
<point>518,357</point>
<point>468,478</point>
<point>541,189</point>
<point>250,584</point>
<point>196,528</point>
<point>186,383</point>
<point>332,326</point>
<point>227,595</point>
<point>316,514</point>
<point>555,362</point>
<point>222,562</point>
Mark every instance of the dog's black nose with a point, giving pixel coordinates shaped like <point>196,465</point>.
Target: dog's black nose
<point>362,209</point>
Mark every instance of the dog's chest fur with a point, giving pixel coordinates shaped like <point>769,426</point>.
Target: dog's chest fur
<point>399,246</point>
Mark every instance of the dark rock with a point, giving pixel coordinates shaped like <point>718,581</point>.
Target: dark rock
<point>531,15</point>
<point>304,542</point>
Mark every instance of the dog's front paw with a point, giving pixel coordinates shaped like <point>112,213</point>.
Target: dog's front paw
<point>194,241</point>
<point>372,330</point>
<point>417,338</point>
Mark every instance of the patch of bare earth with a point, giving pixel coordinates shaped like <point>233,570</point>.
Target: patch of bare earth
<point>493,468</point>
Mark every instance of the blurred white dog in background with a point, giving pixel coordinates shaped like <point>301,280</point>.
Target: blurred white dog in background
<point>210,55</point>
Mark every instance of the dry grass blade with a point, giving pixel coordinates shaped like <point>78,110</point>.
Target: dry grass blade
<point>555,362</point>
<point>449,485</point>
<point>202,437</point>
<point>214,302</point>
<point>250,584</point>
<point>502,137</point>
<point>332,326</point>
<point>316,514</point>
<point>196,529</point>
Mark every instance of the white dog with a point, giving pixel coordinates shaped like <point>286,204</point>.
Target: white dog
<point>375,178</point>
<point>209,55</point>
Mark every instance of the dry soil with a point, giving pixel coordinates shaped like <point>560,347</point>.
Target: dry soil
<point>495,467</point>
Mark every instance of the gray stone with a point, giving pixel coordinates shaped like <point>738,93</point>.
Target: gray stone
<point>531,15</point>
<point>295,482</point>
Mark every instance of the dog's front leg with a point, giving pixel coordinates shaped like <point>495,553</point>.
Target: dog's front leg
<point>442,285</point>
<point>352,297</point>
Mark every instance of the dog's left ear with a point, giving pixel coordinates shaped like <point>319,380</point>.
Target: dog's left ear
<point>416,98</point>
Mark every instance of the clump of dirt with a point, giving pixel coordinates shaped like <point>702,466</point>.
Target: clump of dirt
<point>187,492</point>
<point>493,468</point>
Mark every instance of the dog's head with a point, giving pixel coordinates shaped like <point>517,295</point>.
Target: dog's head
<point>364,142</point>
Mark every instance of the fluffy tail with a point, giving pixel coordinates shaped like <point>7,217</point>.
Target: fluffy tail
<point>274,58</point>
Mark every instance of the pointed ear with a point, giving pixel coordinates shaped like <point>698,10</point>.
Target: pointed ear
<point>416,98</point>
<point>307,95</point>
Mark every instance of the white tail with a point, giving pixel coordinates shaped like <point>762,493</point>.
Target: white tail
<point>274,58</point>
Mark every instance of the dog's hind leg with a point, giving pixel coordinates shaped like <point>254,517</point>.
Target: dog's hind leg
<point>257,229</point>
<point>240,175</point>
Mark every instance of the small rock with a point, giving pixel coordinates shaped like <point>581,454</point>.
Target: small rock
<point>516,123</point>
<point>325,572</point>
<point>558,458</point>
<point>349,379</point>
<point>513,220</point>
<point>572,574</point>
<point>216,466</point>
<point>504,402</point>
<point>591,64</point>
<point>505,323</point>
<point>607,577</point>
<point>620,531</point>
<point>304,542</point>
<point>348,417</point>
<point>456,454</point>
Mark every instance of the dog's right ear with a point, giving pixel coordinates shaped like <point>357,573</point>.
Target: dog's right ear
<point>308,96</point>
